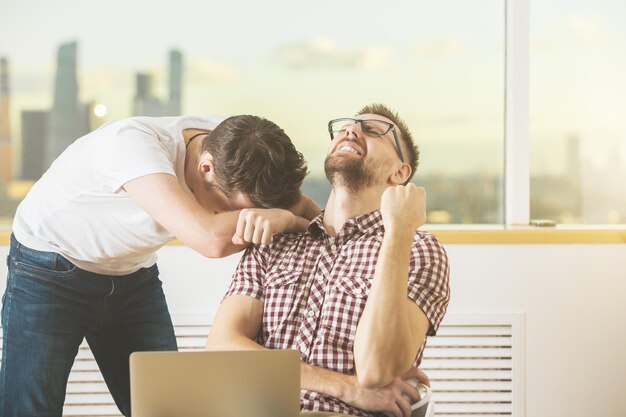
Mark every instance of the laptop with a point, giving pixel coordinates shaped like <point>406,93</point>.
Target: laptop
<point>260,383</point>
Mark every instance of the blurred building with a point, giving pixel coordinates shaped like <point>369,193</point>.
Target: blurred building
<point>68,118</point>
<point>146,103</point>
<point>5,127</point>
<point>34,128</point>
<point>175,82</point>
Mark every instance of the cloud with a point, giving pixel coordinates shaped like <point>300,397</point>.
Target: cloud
<point>201,70</point>
<point>587,30</point>
<point>438,47</point>
<point>322,53</point>
<point>104,79</point>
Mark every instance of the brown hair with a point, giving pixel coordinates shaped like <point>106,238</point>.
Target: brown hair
<point>410,151</point>
<point>254,156</point>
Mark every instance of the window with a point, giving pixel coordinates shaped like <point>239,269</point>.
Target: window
<point>577,107</point>
<point>299,65</point>
<point>440,64</point>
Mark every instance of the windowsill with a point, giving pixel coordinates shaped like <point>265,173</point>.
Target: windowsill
<point>485,234</point>
<point>531,236</point>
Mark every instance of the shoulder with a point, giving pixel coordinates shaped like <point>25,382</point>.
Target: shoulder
<point>283,246</point>
<point>201,121</point>
<point>284,241</point>
<point>123,129</point>
<point>427,247</point>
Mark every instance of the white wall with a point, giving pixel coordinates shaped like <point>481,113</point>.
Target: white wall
<point>573,296</point>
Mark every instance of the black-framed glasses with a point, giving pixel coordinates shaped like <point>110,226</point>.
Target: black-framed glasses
<point>370,127</point>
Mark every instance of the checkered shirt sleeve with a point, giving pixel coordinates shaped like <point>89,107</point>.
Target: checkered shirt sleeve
<point>248,277</point>
<point>429,275</point>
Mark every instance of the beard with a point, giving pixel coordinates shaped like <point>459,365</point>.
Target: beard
<point>347,172</point>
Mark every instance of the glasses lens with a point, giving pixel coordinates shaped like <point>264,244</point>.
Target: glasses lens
<point>375,127</point>
<point>337,127</point>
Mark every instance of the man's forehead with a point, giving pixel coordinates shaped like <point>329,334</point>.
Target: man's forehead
<point>370,116</point>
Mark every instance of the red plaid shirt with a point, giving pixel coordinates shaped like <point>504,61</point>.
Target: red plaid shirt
<point>314,288</point>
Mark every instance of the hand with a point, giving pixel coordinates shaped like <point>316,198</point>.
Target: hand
<point>416,373</point>
<point>390,399</point>
<point>305,207</point>
<point>258,225</point>
<point>403,207</point>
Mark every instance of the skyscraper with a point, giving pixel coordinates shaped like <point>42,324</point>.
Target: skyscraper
<point>146,103</point>
<point>66,121</point>
<point>176,82</point>
<point>5,127</point>
<point>34,127</point>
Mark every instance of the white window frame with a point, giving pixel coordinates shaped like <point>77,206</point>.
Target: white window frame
<point>516,174</point>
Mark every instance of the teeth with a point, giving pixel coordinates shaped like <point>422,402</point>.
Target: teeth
<point>349,149</point>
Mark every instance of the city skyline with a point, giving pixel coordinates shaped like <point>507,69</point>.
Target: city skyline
<point>45,133</point>
<point>295,65</point>
<point>486,207</point>
<point>287,62</point>
<point>223,78</point>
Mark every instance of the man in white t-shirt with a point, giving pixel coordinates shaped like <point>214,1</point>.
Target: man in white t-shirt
<point>82,262</point>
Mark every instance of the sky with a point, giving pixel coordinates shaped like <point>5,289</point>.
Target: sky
<point>440,64</point>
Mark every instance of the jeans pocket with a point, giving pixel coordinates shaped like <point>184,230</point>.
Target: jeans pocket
<point>50,267</point>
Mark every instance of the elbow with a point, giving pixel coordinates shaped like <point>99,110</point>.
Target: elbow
<point>213,253</point>
<point>371,374</point>
<point>371,379</point>
<point>217,342</point>
<point>211,246</point>
<point>211,343</point>
<point>216,251</point>
<point>370,371</point>
<point>378,373</point>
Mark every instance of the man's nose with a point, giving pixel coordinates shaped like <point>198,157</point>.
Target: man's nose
<point>351,131</point>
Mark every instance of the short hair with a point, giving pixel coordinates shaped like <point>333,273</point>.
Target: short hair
<point>255,156</point>
<point>410,151</point>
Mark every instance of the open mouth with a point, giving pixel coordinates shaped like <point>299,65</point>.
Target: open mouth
<point>346,148</point>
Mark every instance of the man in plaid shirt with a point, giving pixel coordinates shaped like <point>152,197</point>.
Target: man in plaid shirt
<point>356,294</point>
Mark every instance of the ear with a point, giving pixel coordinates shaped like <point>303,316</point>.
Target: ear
<point>400,175</point>
<point>206,168</point>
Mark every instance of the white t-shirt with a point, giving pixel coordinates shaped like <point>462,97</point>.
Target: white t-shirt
<point>79,209</point>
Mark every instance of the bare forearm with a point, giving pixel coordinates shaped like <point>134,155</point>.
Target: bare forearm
<point>214,234</point>
<point>225,226</point>
<point>384,339</point>
<point>299,224</point>
<point>325,381</point>
<point>312,378</point>
<point>199,226</point>
<point>231,342</point>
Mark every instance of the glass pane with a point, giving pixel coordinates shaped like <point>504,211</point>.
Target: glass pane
<point>440,64</point>
<point>577,108</point>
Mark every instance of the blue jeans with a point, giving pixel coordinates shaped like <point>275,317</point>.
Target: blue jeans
<point>50,305</point>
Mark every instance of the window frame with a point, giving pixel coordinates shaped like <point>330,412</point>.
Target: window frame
<point>516,175</point>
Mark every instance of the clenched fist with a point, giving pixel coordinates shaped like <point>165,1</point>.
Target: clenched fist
<point>257,225</point>
<point>403,207</point>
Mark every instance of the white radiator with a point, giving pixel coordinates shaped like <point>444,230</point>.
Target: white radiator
<point>475,363</point>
